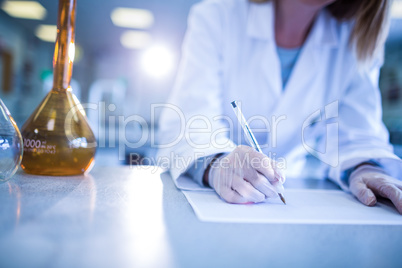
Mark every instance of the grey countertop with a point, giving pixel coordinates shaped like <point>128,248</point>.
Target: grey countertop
<point>136,217</point>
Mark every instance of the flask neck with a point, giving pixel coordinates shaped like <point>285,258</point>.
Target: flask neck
<point>65,46</point>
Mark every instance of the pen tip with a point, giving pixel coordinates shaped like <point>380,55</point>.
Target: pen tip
<point>233,104</point>
<point>282,198</point>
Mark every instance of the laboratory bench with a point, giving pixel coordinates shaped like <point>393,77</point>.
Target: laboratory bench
<point>122,216</point>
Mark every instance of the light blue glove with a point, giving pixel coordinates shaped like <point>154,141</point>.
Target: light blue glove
<point>367,182</point>
<point>245,175</point>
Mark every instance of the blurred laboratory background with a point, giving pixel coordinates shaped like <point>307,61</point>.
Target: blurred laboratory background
<point>127,52</point>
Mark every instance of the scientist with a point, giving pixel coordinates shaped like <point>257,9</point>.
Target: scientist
<point>305,73</point>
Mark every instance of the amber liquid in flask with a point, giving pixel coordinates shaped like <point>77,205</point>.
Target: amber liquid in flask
<point>57,138</point>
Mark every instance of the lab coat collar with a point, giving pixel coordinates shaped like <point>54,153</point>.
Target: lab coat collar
<point>260,25</point>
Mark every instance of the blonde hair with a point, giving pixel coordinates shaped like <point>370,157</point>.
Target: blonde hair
<point>370,18</point>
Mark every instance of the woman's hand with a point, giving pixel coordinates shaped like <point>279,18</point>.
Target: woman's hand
<point>244,176</point>
<point>367,182</point>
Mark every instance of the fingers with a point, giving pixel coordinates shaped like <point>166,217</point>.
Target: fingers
<point>246,190</point>
<point>387,190</point>
<point>261,163</point>
<point>395,182</point>
<point>398,184</point>
<point>279,174</point>
<point>362,193</point>
<point>259,182</point>
<point>245,176</point>
<point>366,186</point>
<point>231,196</point>
<point>234,189</point>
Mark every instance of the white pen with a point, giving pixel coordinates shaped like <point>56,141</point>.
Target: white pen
<point>253,142</point>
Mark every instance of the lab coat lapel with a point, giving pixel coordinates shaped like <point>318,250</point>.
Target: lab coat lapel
<point>304,70</point>
<point>297,99</point>
<point>321,38</point>
<point>292,100</point>
<point>260,26</point>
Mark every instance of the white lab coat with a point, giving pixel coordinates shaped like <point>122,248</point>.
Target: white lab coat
<point>229,53</point>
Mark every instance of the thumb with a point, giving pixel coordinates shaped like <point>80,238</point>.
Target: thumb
<point>363,194</point>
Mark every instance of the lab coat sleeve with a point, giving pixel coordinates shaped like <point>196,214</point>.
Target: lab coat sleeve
<point>189,127</point>
<point>361,134</point>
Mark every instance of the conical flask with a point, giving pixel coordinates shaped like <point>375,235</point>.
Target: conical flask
<point>10,144</point>
<point>58,140</point>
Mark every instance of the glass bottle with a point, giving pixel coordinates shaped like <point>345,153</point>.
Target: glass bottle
<point>58,140</point>
<point>10,144</point>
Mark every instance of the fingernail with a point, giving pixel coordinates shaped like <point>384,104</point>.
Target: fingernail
<point>370,199</point>
<point>279,178</point>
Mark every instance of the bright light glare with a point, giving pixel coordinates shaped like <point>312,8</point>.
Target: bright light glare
<point>24,9</point>
<point>132,18</point>
<point>135,39</point>
<point>71,51</point>
<point>157,61</point>
<point>47,33</point>
<point>396,10</point>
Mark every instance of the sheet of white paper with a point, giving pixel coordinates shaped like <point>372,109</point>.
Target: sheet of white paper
<point>303,206</point>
